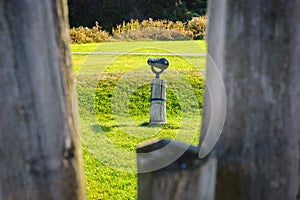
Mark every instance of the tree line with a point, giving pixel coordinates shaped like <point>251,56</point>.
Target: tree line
<point>112,12</point>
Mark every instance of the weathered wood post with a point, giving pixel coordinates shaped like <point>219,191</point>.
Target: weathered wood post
<point>40,154</point>
<point>256,46</point>
<point>158,92</point>
<point>172,170</point>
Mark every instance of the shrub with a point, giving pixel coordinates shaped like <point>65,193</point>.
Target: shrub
<point>197,25</point>
<point>87,35</point>
<point>151,30</point>
<point>151,33</point>
<point>145,30</point>
<point>135,30</point>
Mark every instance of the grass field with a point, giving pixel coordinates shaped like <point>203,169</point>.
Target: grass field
<point>113,96</point>
<point>190,46</point>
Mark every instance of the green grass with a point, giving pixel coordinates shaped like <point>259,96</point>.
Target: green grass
<point>113,96</point>
<point>189,46</point>
<point>84,47</point>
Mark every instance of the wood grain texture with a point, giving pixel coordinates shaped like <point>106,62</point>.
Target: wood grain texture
<point>39,149</point>
<point>256,46</point>
<point>186,178</point>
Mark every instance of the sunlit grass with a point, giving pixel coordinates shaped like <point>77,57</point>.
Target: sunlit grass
<point>106,84</point>
<point>89,47</point>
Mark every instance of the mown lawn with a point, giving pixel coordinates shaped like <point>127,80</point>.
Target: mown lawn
<point>113,96</point>
<point>189,46</point>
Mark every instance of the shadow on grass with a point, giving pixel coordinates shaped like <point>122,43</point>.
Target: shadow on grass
<point>164,126</point>
<point>97,128</point>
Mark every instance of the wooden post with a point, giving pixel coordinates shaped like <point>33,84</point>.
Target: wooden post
<point>158,102</point>
<point>40,155</point>
<point>256,46</point>
<point>186,177</point>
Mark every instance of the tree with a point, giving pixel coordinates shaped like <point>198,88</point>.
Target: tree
<point>256,46</point>
<point>39,147</point>
<point>111,12</point>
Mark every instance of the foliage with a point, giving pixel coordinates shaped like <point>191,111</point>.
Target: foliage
<point>87,35</point>
<point>111,12</point>
<point>145,30</point>
<point>161,29</point>
<point>151,34</point>
<point>134,24</point>
<point>151,29</point>
<point>197,25</point>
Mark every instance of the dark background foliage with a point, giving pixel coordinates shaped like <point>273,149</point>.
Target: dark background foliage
<point>112,12</point>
